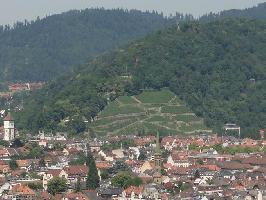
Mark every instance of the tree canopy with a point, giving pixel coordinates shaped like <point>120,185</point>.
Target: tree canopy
<point>124,180</point>
<point>217,69</point>
<point>45,48</point>
<point>93,180</point>
<point>57,185</point>
<point>256,12</point>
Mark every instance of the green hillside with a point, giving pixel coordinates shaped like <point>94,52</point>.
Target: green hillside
<point>43,49</point>
<point>147,113</point>
<point>218,69</point>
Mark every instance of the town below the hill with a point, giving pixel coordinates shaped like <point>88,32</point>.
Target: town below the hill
<point>123,167</point>
<point>120,104</point>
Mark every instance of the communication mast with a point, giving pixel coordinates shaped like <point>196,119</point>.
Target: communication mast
<point>177,26</point>
<point>262,136</point>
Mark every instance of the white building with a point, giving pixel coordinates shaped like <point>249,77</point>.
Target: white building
<point>9,128</point>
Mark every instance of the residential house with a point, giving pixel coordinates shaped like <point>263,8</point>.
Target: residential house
<point>179,159</point>
<point>4,167</point>
<point>147,165</point>
<point>210,190</point>
<point>43,143</point>
<point>132,192</point>
<point>152,191</point>
<point>75,196</point>
<point>76,172</point>
<point>24,164</point>
<point>109,193</point>
<point>4,154</point>
<point>22,192</point>
<point>51,174</point>
<point>70,151</point>
<point>118,153</point>
<point>102,165</point>
<point>257,160</point>
<point>106,155</point>
<point>169,143</point>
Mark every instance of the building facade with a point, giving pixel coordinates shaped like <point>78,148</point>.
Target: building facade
<point>9,128</point>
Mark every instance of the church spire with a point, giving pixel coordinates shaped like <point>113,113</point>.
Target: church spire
<point>158,147</point>
<point>157,176</point>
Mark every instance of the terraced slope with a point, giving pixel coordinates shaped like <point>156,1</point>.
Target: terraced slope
<point>146,113</point>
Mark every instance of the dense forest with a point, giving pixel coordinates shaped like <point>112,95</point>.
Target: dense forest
<point>45,48</point>
<point>257,12</point>
<point>217,68</point>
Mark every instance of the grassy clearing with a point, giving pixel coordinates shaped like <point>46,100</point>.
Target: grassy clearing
<point>187,118</point>
<point>155,97</point>
<point>116,110</point>
<point>176,101</point>
<point>157,118</point>
<point>158,111</point>
<point>175,109</point>
<point>127,100</point>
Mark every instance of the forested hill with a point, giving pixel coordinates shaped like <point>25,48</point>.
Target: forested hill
<point>217,68</point>
<point>43,49</point>
<point>257,12</point>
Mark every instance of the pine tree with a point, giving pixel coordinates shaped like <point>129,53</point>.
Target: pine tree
<point>78,185</point>
<point>93,178</point>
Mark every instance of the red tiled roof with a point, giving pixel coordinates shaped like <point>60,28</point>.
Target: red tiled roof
<point>45,195</point>
<point>168,185</point>
<point>211,167</point>
<point>3,151</point>
<point>103,165</point>
<point>168,140</point>
<point>58,197</point>
<point>76,196</point>
<point>136,190</point>
<point>8,117</point>
<point>18,172</point>
<point>179,156</point>
<point>255,160</point>
<point>23,163</point>
<point>22,189</point>
<point>4,168</point>
<point>77,170</point>
<point>261,169</point>
<point>72,150</point>
<point>182,170</point>
<point>234,165</point>
<point>54,172</point>
<point>3,162</point>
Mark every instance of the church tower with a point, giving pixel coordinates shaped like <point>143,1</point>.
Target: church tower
<point>157,176</point>
<point>9,128</point>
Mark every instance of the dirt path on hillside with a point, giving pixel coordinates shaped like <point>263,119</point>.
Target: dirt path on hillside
<point>133,97</point>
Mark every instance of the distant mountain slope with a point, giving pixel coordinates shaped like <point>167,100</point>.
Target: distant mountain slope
<point>46,48</point>
<point>256,12</point>
<point>218,69</point>
<point>147,113</point>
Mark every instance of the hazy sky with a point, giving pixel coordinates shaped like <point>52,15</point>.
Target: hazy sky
<point>13,10</point>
